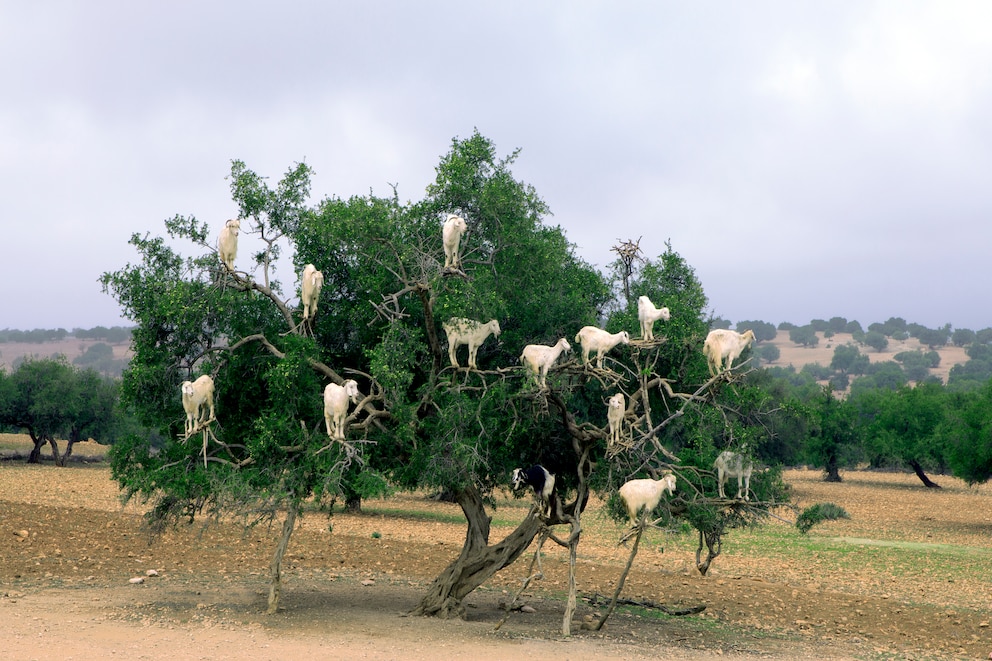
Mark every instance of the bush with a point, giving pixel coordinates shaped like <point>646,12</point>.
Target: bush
<point>818,514</point>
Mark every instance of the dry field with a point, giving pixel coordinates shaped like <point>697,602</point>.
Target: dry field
<point>908,576</point>
<point>823,353</point>
<point>70,348</point>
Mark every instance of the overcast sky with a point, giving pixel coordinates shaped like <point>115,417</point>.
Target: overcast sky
<point>808,159</point>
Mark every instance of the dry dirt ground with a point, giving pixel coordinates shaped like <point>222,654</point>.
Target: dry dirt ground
<point>68,551</point>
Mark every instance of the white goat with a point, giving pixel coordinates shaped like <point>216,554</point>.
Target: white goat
<point>336,406</point>
<point>615,408</point>
<point>539,358</point>
<point>647,314</point>
<point>312,281</point>
<point>722,347</point>
<point>730,464</point>
<point>451,235</point>
<point>645,493</point>
<point>197,395</point>
<point>467,331</point>
<point>598,340</point>
<point>227,243</point>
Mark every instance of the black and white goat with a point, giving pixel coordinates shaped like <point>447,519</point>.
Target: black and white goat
<point>538,478</point>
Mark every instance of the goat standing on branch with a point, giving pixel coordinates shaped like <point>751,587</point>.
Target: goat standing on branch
<point>598,340</point>
<point>467,331</point>
<point>540,480</point>
<point>615,409</point>
<point>730,464</point>
<point>722,347</point>
<point>312,281</point>
<point>645,494</point>
<point>197,396</point>
<point>451,235</point>
<point>647,314</point>
<point>227,243</point>
<point>336,406</point>
<point>538,358</point>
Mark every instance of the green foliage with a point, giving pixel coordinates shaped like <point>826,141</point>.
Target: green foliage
<point>848,359</point>
<point>962,337</point>
<point>763,331</point>
<point>804,335</point>
<point>876,340</point>
<point>819,513</point>
<point>421,423</point>
<point>36,336</point>
<point>968,435</point>
<point>934,337</point>
<point>904,424</point>
<point>768,353</point>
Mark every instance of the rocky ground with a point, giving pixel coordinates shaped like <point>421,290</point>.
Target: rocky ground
<point>69,553</point>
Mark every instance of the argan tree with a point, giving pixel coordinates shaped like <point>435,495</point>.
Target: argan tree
<point>421,422</point>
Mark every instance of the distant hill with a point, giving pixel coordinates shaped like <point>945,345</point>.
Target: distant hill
<point>73,348</point>
<point>823,352</point>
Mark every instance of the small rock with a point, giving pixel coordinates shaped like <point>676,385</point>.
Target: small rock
<point>151,572</point>
<point>137,580</point>
<point>367,582</point>
<point>527,609</point>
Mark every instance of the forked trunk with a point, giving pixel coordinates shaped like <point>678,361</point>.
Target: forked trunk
<point>59,460</point>
<point>478,561</point>
<point>35,456</point>
<point>714,544</point>
<point>275,586</point>
<point>927,482</point>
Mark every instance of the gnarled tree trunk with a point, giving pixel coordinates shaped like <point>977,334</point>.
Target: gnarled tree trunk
<point>927,482</point>
<point>275,576</point>
<point>478,561</point>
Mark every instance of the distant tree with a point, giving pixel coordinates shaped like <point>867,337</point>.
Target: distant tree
<point>839,382</point>
<point>819,325</point>
<point>817,371</point>
<point>837,324</point>
<point>972,375</point>
<point>833,436</point>
<point>786,326</point>
<point>845,356</point>
<point>916,364</point>
<point>719,322</point>
<point>763,331</point>
<point>984,336</point>
<point>768,353</point>
<point>895,324</point>
<point>962,336</point>
<point>936,337</point>
<point>886,374</point>
<point>100,357</point>
<point>905,425</point>
<point>805,336</point>
<point>50,399</point>
<point>914,329</point>
<point>876,340</point>
<point>853,327</point>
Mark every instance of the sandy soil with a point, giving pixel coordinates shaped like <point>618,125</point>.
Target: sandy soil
<point>68,551</point>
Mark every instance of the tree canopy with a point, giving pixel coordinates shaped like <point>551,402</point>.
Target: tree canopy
<point>419,422</point>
